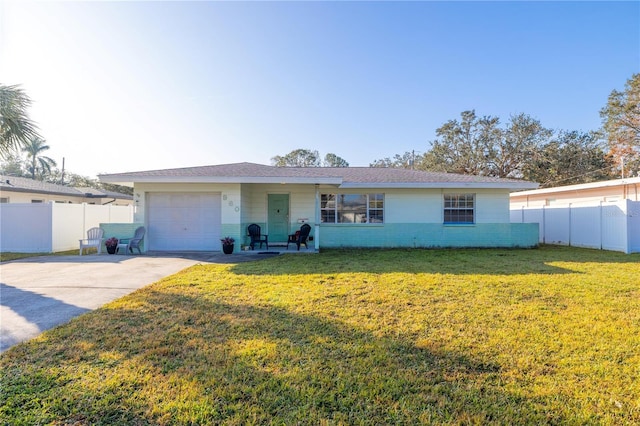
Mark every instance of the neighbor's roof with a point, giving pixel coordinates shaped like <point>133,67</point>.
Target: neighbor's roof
<point>343,177</point>
<point>20,184</point>
<point>580,187</point>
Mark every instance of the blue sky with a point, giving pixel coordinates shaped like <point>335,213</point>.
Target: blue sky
<point>128,86</point>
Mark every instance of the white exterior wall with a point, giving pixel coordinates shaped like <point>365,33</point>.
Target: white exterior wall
<point>427,205</point>
<point>492,206</point>
<point>401,205</point>
<point>301,202</point>
<point>413,206</point>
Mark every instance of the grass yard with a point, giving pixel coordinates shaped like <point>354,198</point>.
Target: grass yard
<point>7,256</point>
<point>545,336</point>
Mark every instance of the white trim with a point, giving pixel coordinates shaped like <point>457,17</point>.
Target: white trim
<point>591,185</point>
<point>515,186</point>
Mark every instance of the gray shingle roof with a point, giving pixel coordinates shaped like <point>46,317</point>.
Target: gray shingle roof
<point>346,176</point>
<point>20,184</point>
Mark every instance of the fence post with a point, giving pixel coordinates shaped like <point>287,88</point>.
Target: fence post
<point>601,225</point>
<point>544,225</point>
<point>84,219</point>
<point>570,217</point>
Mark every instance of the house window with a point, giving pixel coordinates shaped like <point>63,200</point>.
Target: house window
<point>37,201</point>
<point>4,200</point>
<point>459,208</point>
<point>352,208</point>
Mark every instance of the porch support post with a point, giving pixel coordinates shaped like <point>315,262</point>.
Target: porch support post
<point>316,231</point>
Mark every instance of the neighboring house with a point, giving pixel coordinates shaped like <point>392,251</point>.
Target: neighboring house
<point>192,208</point>
<point>607,191</point>
<point>600,215</point>
<point>24,190</point>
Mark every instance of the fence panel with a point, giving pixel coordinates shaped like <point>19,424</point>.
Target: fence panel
<point>25,228</point>
<point>51,227</point>
<point>67,226</point>
<point>614,227</point>
<point>633,217</point>
<point>535,216</point>
<point>557,225</point>
<point>585,226</point>
<point>608,226</point>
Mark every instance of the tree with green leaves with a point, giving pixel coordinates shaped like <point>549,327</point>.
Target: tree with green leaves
<point>571,157</point>
<point>513,148</point>
<point>408,160</point>
<point>38,162</point>
<point>12,164</point>
<point>621,123</point>
<point>464,146</point>
<point>298,158</point>
<point>332,160</point>
<point>308,158</point>
<point>16,128</point>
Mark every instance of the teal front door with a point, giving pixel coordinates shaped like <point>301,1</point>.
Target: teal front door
<point>278,218</point>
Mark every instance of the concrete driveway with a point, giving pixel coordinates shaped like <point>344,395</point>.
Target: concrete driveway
<point>40,293</point>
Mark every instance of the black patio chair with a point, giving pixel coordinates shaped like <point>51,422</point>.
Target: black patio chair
<point>256,236</point>
<point>300,237</point>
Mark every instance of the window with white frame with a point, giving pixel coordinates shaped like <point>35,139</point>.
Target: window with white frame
<point>459,208</point>
<point>352,208</point>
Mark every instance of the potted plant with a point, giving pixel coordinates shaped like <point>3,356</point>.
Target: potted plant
<point>227,245</point>
<point>111,244</point>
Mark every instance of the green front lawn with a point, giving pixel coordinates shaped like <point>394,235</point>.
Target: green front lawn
<point>546,336</point>
<point>7,256</point>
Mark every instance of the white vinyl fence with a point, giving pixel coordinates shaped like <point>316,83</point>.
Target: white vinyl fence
<point>52,227</point>
<point>605,226</point>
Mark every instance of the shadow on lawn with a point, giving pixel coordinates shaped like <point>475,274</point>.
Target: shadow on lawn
<point>437,261</point>
<point>413,261</point>
<point>187,360</point>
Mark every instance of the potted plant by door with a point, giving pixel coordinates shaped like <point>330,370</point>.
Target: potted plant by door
<point>111,244</point>
<point>227,245</point>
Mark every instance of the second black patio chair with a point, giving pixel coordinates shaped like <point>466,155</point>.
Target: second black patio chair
<point>300,237</point>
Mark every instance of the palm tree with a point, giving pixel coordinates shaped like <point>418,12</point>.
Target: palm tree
<point>15,126</point>
<point>34,147</point>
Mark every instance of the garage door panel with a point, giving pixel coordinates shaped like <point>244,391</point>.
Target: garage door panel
<point>184,221</point>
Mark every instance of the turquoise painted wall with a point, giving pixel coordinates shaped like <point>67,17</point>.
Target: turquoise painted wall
<point>121,230</point>
<point>234,231</point>
<point>425,235</point>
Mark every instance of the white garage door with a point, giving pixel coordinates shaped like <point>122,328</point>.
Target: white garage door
<point>184,221</point>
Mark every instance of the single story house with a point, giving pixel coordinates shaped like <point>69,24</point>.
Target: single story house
<point>24,190</point>
<point>192,208</point>
<point>593,192</point>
